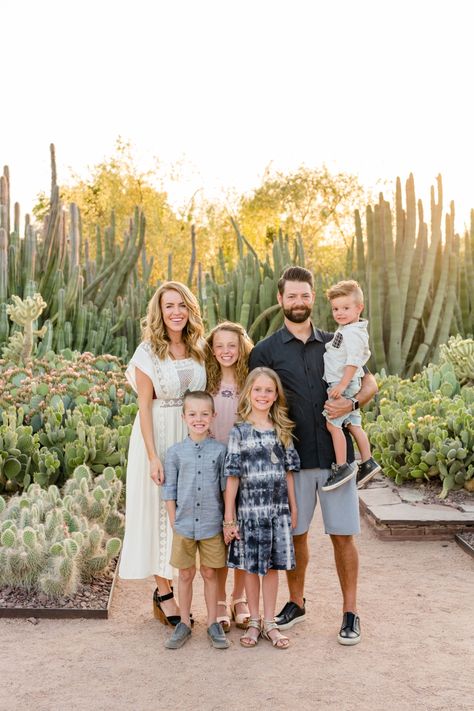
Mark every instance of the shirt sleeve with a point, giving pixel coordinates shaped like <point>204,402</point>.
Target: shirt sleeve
<point>169,490</point>
<point>232,464</point>
<point>292,460</point>
<point>357,348</point>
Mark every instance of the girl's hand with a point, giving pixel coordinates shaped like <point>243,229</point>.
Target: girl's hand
<point>294,517</point>
<point>231,532</point>
<point>335,392</point>
<point>156,471</point>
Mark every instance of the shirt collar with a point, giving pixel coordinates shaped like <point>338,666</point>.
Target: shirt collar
<point>315,335</point>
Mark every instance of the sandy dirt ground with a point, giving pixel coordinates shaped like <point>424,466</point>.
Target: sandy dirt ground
<point>417,651</point>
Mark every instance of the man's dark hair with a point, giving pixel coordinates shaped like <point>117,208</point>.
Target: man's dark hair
<point>198,395</point>
<point>295,274</point>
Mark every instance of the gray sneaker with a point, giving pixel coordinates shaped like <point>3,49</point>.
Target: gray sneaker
<point>180,636</point>
<point>217,636</point>
<point>339,475</point>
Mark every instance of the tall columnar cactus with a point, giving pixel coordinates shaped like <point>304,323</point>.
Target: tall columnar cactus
<point>24,312</point>
<point>419,288</point>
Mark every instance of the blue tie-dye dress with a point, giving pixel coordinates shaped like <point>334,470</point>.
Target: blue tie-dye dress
<point>260,461</point>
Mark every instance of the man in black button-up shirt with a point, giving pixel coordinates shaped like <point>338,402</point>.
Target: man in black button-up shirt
<point>296,352</point>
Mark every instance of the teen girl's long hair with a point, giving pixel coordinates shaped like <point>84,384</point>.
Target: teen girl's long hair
<point>278,411</point>
<point>154,329</point>
<point>213,368</point>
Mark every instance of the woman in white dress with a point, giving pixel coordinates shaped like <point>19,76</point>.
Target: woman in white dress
<point>169,361</point>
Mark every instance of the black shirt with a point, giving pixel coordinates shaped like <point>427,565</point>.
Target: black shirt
<point>301,367</point>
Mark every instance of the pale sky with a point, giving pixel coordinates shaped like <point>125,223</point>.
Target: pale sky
<point>374,87</point>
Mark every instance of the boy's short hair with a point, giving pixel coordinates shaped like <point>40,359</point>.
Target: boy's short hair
<point>295,274</point>
<point>350,287</point>
<point>198,395</point>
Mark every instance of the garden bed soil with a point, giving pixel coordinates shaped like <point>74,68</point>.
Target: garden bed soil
<point>92,600</point>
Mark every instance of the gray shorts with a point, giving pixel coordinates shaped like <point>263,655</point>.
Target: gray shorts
<point>339,507</point>
<point>352,418</point>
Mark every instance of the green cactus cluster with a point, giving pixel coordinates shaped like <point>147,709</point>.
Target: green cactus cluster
<point>418,281</point>
<point>459,352</point>
<point>423,428</point>
<point>60,412</point>
<point>52,542</point>
<point>247,293</point>
<point>94,303</point>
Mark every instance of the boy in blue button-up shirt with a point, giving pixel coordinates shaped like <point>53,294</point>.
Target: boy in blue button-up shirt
<point>192,490</point>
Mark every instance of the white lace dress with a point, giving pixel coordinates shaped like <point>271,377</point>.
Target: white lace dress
<point>148,534</point>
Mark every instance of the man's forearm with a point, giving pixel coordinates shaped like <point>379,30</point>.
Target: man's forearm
<point>367,390</point>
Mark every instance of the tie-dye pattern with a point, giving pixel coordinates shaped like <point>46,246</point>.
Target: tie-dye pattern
<point>259,459</point>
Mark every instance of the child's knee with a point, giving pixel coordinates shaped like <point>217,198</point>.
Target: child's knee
<point>208,573</point>
<point>187,574</point>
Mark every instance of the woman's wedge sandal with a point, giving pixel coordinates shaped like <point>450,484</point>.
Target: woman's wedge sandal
<point>158,612</point>
<point>247,639</point>
<point>223,619</point>
<point>241,618</point>
<point>279,641</point>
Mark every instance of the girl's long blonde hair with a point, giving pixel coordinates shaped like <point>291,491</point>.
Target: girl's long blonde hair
<point>154,329</point>
<point>278,411</point>
<point>213,368</point>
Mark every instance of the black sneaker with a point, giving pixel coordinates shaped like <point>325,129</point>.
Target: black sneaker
<point>339,475</point>
<point>349,633</point>
<point>366,471</point>
<point>290,615</point>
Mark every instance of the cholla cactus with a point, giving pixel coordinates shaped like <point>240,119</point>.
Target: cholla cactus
<point>24,312</point>
<point>51,542</point>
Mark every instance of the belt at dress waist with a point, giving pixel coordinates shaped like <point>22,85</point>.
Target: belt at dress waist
<point>168,402</point>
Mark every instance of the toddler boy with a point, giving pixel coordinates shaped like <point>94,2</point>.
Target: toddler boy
<point>345,355</point>
<point>193,493</point>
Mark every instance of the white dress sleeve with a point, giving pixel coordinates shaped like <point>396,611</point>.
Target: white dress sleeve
<point>141,359</point>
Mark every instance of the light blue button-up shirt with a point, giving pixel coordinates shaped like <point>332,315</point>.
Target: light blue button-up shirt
<point>194,479</point>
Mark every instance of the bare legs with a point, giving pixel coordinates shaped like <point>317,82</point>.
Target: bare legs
<point>362,441</point>
<point>237,592</point>
<point>347,566</point>
<point>185,589</point>
<point>296,577</point>
<point>169,607</point>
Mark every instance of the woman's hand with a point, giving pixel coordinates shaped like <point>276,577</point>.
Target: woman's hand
<point>156,471</point>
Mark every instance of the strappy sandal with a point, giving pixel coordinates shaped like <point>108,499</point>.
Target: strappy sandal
<point>223,619</point>
<point>241,618</point>
<point>158,612</point>
<point>279,642</point>
<point>246,640</point>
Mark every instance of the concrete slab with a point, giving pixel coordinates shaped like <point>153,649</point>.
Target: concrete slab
<point>379,496</point>
<point>410,495</point>
<point>420,514</point>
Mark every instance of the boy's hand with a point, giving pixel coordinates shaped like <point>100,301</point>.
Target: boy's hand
<point>156,471</point>
<point>336,392</point>
<point>231,532</point>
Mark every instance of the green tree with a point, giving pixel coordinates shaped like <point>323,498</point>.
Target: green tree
<point>314,202</point>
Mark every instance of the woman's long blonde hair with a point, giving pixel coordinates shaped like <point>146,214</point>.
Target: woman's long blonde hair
<point>278,411</point>
<point>154,329</point>
<point>213,368</point>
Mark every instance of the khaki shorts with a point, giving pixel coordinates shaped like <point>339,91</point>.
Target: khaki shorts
<point>212,551</point>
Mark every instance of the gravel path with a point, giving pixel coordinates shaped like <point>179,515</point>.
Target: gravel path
<point>416,603</point>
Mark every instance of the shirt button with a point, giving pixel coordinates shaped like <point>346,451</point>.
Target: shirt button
<point>199,472</point>
<point>199,456</point>
<point>198,504</point>
<point>199,488</point>
<point>197,519</point>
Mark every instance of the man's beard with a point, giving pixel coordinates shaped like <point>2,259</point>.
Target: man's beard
<point>297,315</point>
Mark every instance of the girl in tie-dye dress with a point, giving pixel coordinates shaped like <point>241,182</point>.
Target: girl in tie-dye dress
<point>260,509</point>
